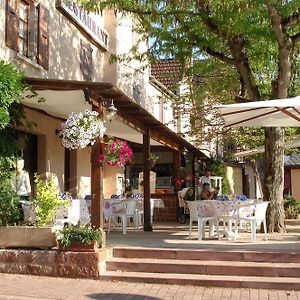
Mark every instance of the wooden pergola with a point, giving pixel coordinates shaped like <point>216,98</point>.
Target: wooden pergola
<point>134,116</point>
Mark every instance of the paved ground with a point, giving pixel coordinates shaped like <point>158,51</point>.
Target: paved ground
<point>21,287</point>
<point>175,235</point>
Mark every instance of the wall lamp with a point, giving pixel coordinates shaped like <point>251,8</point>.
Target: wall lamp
<point>110,110</point>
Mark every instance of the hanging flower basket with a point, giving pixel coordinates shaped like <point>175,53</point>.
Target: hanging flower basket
<point>82,129</point>
<point>117,154</point>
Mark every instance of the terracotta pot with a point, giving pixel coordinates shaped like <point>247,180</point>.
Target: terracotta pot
<point>78,247</point>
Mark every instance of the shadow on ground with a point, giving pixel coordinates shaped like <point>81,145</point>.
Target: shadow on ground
<point>120,296</point>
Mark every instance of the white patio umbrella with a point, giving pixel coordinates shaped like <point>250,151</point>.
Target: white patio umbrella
<point>269,113</point>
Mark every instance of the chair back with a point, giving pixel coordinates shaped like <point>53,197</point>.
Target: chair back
<point>205,209</point>
<point>261,209</point>
<point>225,208</point>
<point>181,195</point>
<point>131,207</point>
<point>61,212</point>
<point>192,206</point>
<point>29,212</point>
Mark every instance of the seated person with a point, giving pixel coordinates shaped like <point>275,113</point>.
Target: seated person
<point>206,194</point>
<point>216,192</point>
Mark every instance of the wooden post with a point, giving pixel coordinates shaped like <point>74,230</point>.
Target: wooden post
<point>194,175</point>
<point>176,166</point>
<point>97,180</point>
<point>146,179</point>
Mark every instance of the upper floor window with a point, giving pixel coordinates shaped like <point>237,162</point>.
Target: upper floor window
<point>24,28</point>
<point>27,30</point>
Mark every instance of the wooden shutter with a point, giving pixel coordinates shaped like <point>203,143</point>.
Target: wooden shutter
<point>33,27</point>
<point>43,37</point>
<point>12,24</point>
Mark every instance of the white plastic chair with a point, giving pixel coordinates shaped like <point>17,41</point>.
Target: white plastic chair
<point>226,212</point>
<point>206,212</point>
<point>61,216</point>
<point>192,206</point>
<point>257,217</point>
<point>29,212</point>
<point>140,212</point>
<point>123,210</point>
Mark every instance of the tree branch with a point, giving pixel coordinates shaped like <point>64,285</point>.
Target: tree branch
<point>285,49</point>
<point>219,55</point>
<point>204,15</point>
<point>277,25</point>
<point>296,38</point>
<point>291,20</point>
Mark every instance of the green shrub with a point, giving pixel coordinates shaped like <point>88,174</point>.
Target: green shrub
<point>10,209</point>
<point>292,208</point>
<point>47,200</point>
<point>81,235</point>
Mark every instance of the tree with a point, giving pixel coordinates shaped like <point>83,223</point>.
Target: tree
<point>12,91</point>
<point>258,39</point>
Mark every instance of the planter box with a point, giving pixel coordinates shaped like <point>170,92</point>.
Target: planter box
<point>27,237</point>
<point>77,247</point>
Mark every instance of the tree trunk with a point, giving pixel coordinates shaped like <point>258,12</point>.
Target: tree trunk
<point>274,171</point>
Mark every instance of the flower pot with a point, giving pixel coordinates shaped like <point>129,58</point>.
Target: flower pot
<point>78,247</point>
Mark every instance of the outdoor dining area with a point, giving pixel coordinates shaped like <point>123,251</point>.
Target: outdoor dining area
<point>221,218</point>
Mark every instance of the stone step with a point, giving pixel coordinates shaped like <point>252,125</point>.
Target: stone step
<point>257,282</point>
<point>206,254</point>
<point>232,268</point>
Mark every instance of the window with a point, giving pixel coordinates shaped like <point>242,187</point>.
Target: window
<point>27,30</point>
<point>24,28</point>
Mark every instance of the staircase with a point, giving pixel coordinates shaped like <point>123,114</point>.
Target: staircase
<point>240,269</point>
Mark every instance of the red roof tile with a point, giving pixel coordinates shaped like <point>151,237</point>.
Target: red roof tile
<point>168,72</point>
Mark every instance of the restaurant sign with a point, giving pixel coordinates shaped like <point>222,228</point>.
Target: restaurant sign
<point>86,21</point>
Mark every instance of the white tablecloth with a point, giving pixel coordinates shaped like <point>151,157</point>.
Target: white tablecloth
<point>78,212</point>
<point>154,202</point>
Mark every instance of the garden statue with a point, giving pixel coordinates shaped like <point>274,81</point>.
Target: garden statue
<point>21,182</point>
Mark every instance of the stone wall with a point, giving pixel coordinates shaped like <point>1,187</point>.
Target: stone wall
<point>52,263</point>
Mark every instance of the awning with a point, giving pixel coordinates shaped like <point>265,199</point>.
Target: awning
<point>62,97</point>
<point>269,113</point>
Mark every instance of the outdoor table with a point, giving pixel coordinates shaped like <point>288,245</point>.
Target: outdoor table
<point>154,202</point>
<point>227,211</point>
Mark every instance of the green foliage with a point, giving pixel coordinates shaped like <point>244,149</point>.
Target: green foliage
<point>47,199</point>
<point>12,89</point>
<point>82,235</point>
<point>292,208</point>
<point>9,204</point>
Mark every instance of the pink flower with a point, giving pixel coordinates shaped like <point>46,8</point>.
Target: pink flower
<point>101,158</point>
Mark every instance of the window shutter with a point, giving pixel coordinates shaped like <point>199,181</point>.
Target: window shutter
<point>33,27</point>
<point>43,37</point>
<point>12,24</point>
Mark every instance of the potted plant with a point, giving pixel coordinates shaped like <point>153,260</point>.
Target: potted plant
<point>82,129</point>
<point>47,200</point>
<point>117,153</point>
<point>153,158</point>
<point>76,238</point>
<point>43,234</point>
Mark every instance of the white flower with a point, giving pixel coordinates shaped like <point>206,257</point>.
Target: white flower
<point>82,129</point>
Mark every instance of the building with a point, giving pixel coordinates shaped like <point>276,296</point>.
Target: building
<point>65,53</point>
